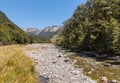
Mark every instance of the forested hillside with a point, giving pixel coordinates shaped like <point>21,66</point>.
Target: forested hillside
<point>10,33</point>
<point>94,26</point>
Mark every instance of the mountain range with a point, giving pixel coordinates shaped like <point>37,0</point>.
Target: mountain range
<point>10,33</point>
<point>33,31</point>
<point>47,32</point>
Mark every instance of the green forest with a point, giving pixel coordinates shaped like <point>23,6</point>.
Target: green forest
<point>94,26</point>
<point>12,34</point>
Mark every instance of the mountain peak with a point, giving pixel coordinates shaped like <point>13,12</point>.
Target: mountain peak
<point>32,31</point>
<point>49,31</point>
<point>53,28</point>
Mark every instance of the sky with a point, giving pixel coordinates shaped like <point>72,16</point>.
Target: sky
<point>39,13</point>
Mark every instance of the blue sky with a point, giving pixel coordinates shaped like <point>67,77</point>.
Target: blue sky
<point>39,13</point>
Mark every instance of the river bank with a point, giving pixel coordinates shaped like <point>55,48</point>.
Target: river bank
<point>55,66</point>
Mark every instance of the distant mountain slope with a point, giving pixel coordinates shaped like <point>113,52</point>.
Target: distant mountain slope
<point>11,33</point>
<point>49,31</point>
<point>33,31</point>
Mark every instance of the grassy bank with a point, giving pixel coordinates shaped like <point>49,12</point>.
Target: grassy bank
<point>95,69</point>
<point>15,67</point>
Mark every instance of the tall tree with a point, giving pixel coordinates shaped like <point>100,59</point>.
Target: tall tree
<point>94,26</point>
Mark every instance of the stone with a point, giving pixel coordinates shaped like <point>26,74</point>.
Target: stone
<point>74,61</point>
<point>66,60</point>
<point>55,67</point>
<point>90,72</point>
<point>107,64</point>
<point>43,79</point>
<point>54,62</point>
<point>114,58</point>
<point>42,60</point>
<point>35,62</point>
<point>114,81</point>
<point>104,55</point>
<point>68,50</point>
<point>92,69</point>
<point>104,79</point>
<point>97,56</point>
<point>59,56</point>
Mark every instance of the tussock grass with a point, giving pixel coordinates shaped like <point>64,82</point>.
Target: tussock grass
<point>15,67</point>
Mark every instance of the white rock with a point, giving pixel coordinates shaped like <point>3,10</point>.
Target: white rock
<point>60,72</point>
<point>114,81</point>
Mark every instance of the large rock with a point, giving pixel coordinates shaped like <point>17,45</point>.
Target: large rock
<point>114,81</point>
<point>104,79</point>
<point>43,79</point>
<point>107,64</point>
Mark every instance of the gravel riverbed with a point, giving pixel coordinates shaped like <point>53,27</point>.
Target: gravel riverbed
<point>52,64</point>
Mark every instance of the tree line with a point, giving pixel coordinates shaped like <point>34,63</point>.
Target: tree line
<point>12,34</point>
<point>94,26</point>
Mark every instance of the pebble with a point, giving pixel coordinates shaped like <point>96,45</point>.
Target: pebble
<point>53,64</point>
<point>107,64</point>
<point>114,81</point>
<point>104,79</point>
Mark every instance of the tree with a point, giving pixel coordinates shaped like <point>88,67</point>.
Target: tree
<point>94,26</point>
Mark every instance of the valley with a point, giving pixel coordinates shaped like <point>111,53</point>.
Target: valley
<point>76,41</point>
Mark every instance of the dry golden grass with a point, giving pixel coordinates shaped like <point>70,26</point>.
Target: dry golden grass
<point>15,67</point>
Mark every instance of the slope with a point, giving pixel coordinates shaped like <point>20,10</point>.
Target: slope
<point>94,26</point>
<point>50,31</point>
<point>11,33</point>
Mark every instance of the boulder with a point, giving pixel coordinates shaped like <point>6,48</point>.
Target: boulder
<point>107,64</point>
<point>104,79</point>
<point>43,79</point>
<point>66,60</point>
<point>114,81</point>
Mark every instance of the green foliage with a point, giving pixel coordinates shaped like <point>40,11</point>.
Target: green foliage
<point>37,39</point>
<point>94,26</point>
<point>57,39</point>
<point>10,33</point>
